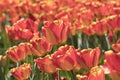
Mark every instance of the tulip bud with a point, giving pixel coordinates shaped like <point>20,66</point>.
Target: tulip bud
<point>3,60</point>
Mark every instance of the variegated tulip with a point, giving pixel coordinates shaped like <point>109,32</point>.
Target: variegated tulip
<point>112,60</point>
<point>40,46</point>
<point>23,29</point>
<point>111,65</point>
<point>96,73</point>
<point>116,46</point>
<point>55,32</point>
<point>11,33</point>
<point>64,58</point>
<point>46,64</point>
<point>18,53</point>
<point>22,72</point>
<point>88,57</point>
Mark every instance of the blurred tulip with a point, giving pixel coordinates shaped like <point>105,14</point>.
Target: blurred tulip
<point>22,30</point>
<point>112,60</point>
<point>116,46</point>
<point>100,27</point>
<point>41,46</point>
<point>55,32</point>
<point>3,60</point>
<point>111,65</point>
<point>22,72</point>
<point>96,73</point>
<point>64,58</point>
<point>88,31</point>
<point>86,17</point>
<point>11,33</point>
<point>25,28</point>
<point>46,64</point>
<point>114,23</point>
<point>18,53</point>
<point>88,57</point>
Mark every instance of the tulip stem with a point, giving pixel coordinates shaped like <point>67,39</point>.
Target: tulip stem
<point>58,74</point>
<point>73,76</point>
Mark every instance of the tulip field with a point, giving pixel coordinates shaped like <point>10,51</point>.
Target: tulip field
<point>59,39</point>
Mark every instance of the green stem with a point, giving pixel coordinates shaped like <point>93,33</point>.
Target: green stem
<point>58,74</point>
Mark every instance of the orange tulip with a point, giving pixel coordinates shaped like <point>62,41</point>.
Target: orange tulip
<point>11,33</point>
<point>116,46</point>
<point>55,32</point>
<point>100,27</point>
<point>23,72</point>
<point>64,58</point>
<point>18,53</point>
<point>40,46</point>
<point>88,57</point>
<point>96,73</point>
<point>113,60</point>
<point>111,65</point>
<point>23,29</point>
<point>46,64</point>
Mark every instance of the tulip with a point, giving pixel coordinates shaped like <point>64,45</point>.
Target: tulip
<point>45,64</point>
<point>11,33</point>
<point>64,58</point>
<point>55,32</point>
<point>40,46</point>
<point>88,57</point>
<point>96,73</point>
<point>111,65</point>
<point>22,72</point>
<point>100,27</point>
<point>112,60</point>
<point>18,53</point>
<point>25,27</point>
<point>116,46</point>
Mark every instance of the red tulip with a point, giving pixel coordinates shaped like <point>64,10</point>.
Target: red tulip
<point>112,60</point>
<point>55,32</point>
<point>22,30</point>
<point>11,33</point>
<point>96,73</point>
<point>116,46</point>
<point>88,57</point>
<point>40,46</point>
<point>25,28</point>
<point>100,27</point>
<point>23,72</point>
<point>64,58</point>
<point>18,53</point>
<point>111,65</point>
<point>46,64</point>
